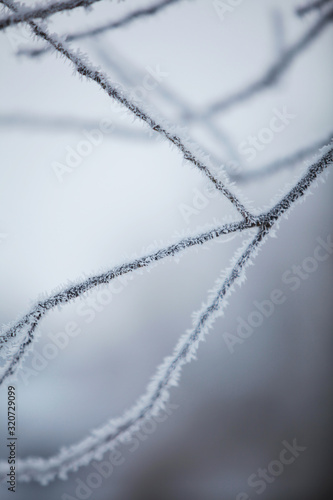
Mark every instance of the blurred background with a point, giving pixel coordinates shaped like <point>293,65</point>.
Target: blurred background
<point>62,219</point>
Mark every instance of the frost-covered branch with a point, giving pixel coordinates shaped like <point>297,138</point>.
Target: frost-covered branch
<point>25,14</point>
<point>111,25</point>
<point>275,72</point>
<point>84,68</point>
<point>317,4</point>
<point>16,339</point>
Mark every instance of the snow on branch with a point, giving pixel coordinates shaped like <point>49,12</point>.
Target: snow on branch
<point>42,11</point>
